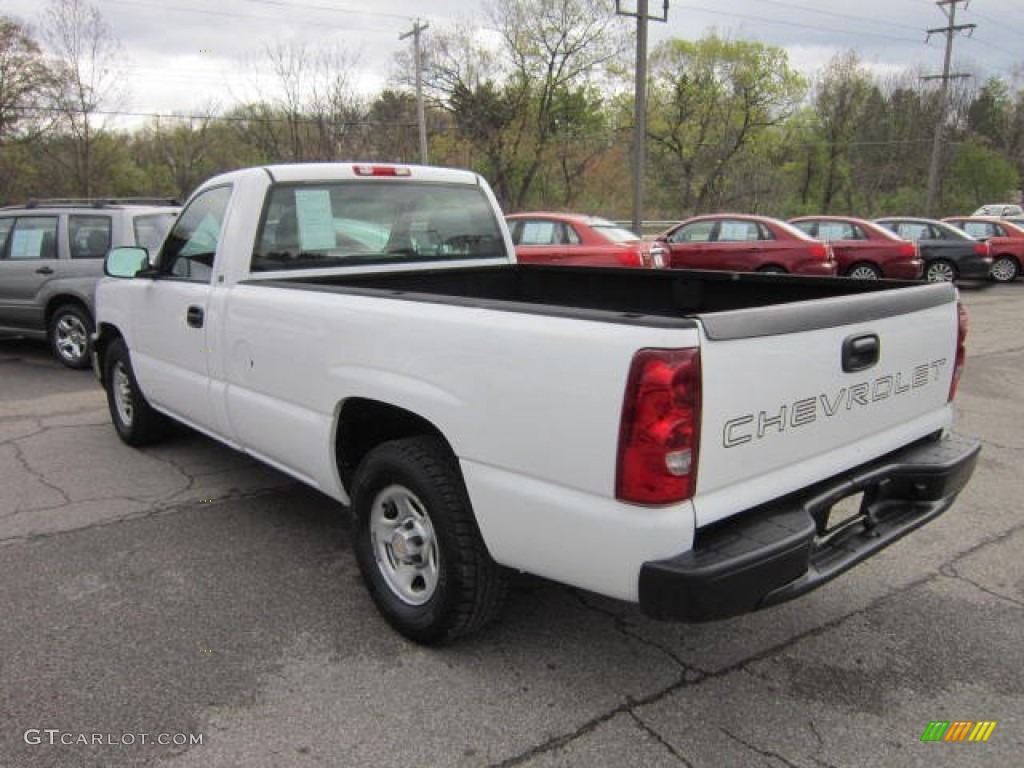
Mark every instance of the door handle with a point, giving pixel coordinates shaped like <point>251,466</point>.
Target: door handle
<point>44,271</point>
<point>194,317</point>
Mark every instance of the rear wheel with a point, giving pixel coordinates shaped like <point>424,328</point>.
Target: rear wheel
<point>69,333</point>
<point>135,420</point>
<point>940,272</point>
<point>1005,269</point>
<point>864,271</point>
<point>417,543</point>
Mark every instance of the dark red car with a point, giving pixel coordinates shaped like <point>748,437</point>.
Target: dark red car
<point>1005,239</point>
<point>863,249</point>
<point>746,243</point>
<point>574,239</point>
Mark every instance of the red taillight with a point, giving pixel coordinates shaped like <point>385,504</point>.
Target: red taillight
<point>660,429</point>
<point>633,258</point>
<point>909,250</point>
<point>820,251</point>
<point>961,349</point>
<point>381,170</point>
<point>982,249</point>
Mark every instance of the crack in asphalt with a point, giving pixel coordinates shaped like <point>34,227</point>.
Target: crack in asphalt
<point>631,704</point>
<point>155,510</point>
<point>754,748</point>
<point>691,673</point>
<point>658,737</point>
<point>19,456</point>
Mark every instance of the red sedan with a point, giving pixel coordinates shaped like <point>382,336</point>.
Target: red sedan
<point>573,239</point>
<point>863,249</point>
<point>746,243</point>
<point>1005,238</point>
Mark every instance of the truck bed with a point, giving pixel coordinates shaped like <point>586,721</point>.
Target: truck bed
<point>659,298</point>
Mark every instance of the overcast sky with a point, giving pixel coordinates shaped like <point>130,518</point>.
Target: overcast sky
<point>182,55</point>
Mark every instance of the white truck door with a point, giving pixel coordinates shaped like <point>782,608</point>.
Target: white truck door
<point>171,354</point>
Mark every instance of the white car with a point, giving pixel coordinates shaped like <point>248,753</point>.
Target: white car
<point>1002,210</point>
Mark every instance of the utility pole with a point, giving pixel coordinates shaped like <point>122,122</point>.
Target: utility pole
<point>421,120</point>
<point>948,7</point>
<point>640,103</point>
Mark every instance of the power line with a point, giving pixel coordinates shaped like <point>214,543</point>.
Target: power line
<point>834,14</point>
<point>798,25</point>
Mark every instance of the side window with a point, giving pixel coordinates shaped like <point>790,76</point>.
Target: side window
<point>32,237</point>
<point>190,247</point>
<point>539,233</point>
<point>739,232</point>
<point>89,236</point>
<point>698,232</point>
<point>572,237</point>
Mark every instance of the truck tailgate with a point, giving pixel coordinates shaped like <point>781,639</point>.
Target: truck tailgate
<point>794,395</point>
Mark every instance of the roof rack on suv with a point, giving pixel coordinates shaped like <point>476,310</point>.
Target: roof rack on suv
<point>96,202</point>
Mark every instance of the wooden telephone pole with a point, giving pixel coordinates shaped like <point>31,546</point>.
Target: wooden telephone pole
<point>948,7</point>
<point>414,33</point>
<point>642,15</point>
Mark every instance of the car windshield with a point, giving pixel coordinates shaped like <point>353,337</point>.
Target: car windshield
<point>314,226</point>
<point>613,232</point>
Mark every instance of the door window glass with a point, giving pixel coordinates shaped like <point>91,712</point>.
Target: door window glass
<point>698,232</point>
<point>89,236</point>
<point>738,232</point>
<point>190,247</point>
<point>32,237</point>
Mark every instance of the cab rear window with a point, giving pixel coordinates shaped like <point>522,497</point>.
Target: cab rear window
<point>313,226</point>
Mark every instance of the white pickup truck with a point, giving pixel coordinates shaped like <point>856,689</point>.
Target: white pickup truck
<point>704,444</point>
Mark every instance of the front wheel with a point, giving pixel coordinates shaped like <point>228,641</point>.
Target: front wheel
<point>134,419</point>
<point>417,543</point>
<point>1004,269</point>
<point>69,333</point>
<point>940,272</point>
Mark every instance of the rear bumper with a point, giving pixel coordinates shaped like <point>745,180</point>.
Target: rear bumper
<point>779,551</point>
<point>974,268</point>
<point>820,268</point>
<point>912,269</point>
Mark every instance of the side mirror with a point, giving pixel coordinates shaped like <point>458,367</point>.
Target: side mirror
<point>126,261</point>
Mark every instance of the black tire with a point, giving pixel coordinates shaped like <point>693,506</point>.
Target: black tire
<point>940,271</point>
<point>864,271</point>
<point>135,420</point>
<point>70,335</point>
<point>1005,269</point>
<point>418,545</point>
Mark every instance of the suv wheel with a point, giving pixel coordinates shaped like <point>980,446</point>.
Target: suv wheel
<point>69,333</point>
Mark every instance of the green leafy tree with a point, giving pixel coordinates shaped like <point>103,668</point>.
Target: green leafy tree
<point>711,101</point>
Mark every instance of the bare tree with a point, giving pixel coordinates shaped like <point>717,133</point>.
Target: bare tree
<point>89,87</point>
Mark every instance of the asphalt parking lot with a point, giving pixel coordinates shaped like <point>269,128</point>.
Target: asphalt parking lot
<point>155,599</point>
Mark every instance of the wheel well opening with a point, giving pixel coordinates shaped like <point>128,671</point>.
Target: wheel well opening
<point>106,334</point>
<point>364,424</point>
<point>63,301</point>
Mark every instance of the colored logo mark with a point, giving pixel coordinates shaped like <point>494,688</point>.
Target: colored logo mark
<point>958,730</point>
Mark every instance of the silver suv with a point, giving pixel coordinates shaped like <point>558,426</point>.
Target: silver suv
<point>51,256</point>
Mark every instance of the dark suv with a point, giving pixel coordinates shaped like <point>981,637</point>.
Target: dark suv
<point>51,255</point>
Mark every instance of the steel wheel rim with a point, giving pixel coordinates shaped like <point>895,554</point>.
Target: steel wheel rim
<point>864,272</point>
<point>940,273</point>
<point>71,337</point>
<point>1004,270</point>
<point>404,545</point>
<point>121,386</point>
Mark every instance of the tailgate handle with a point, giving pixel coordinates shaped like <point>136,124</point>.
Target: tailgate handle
<point>860,352</point>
